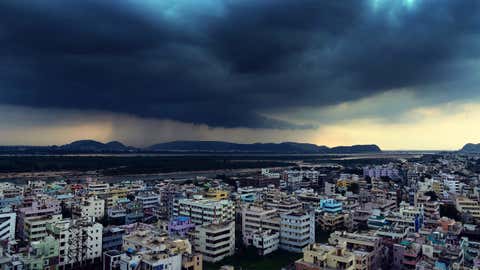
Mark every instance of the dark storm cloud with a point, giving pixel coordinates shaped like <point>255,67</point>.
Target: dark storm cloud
<point>230,65</point>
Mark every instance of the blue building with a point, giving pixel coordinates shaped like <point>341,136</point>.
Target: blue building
<point>112,238</point>
<point>248,197</point>
<point>331,206</point>
<point>377,220</point>
<point>10,202</point>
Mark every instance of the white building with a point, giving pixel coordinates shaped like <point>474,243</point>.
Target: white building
<point>294,179</point>
<point>205,211</point>
<point>35,228</point>
<point>255,219</point>
<point>329,188</point>
<point>268,174</point>
<point>215,241</point>
<point>7,224</point>
<point>160,260</point>
<point>148,200</point>
<point>80,240</point>
<point>98,188</point>
<point>147,249</point>
<point>266,242</point>
<point>297,230</point>
<point>379,171</point>
<point>453,186</point>
<point>89,207</point>
<point>9,190</point>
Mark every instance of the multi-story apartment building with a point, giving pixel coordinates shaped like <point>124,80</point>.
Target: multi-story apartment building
<point>215,241</point>
<point>35,228</point>
<point>9,190</point>
<point>192,261</point>
<point>255,218</point>
<point>265,241</point>
<point>41,210</point>
<point>42,255</point>
<point>7,224</point>
<point>376,220</point>
<point>286,204</point>
<point>112,238</point>
<point>267,173</point>
<point>89,207</point>
<point>329,188</point>
<point>204,211</point>
<point>151,250</point>
<point>116,195</point>
<point>438,187</point>
<point>320,257</point>
<point>117,215</point>
<point>308,197</point>
<point>97,188</point>
<point>431,209</point>
<point>297,230</point>
<point>59,230</point>
<point>216,194</point>
<point>330,206</point>
<point>111,260</point>
<point>406,255</point>
<point>393,232</point>
<point>381,171</point>
<point>407,215</point>
<point>169,194</point>
<point>180,227</point>
<point>468,206</point>
<point>80,241</point>
<point>366,248</point>
<point>148,200</point>
<point>294,179</point>
<point>333,221</point>
<point>11,203</point>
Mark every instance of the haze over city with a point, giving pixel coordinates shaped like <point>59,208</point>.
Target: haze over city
<point>400,74</point>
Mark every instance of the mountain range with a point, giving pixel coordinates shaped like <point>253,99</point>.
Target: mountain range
<point>471,148</point>
<point>91,146</point>
<point>285,147</point>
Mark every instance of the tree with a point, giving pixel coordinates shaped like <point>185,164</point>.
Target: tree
<point>385,178</point>
<point>449,210</point>
<point>354,187</point>
<point>66,211</point>
<point>368,179</point>
<point>433,196</point>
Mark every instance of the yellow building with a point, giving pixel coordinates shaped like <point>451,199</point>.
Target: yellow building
<point>120,192</point>
<point>216,194</point>
<point>437,187</point>
<point>466,205</point>
<point>192,261</point>
<point>343,184</point>
<point>116,194</point>
<point>319,256</point>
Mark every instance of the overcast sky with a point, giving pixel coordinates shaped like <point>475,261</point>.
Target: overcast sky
<point>403,74</point>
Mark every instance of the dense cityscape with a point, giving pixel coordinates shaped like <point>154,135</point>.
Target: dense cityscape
<point>418,213</point>
<point>239,134</point>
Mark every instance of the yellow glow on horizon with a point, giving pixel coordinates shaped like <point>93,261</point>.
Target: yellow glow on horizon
<point>438,129</point>
<point>56,135</point>
<point>442,127</point>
